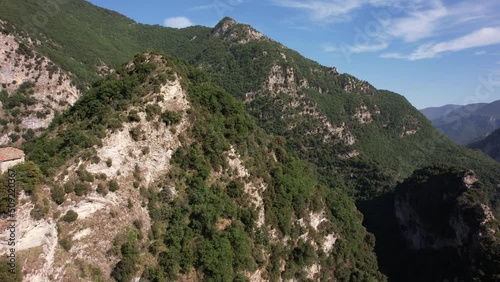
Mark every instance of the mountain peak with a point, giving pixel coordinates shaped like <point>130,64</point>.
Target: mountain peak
<point>228,20</point>
<point>231,30</point>
<point>223,26</point>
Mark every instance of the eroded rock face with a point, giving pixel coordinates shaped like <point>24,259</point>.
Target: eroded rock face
<point>51,89</point>
<point>282,81</point>
<point>101,218</point>
<point>353,85</point>
<point>363,115</point>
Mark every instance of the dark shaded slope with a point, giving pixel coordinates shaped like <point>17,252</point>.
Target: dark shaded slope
<point>489,145</point>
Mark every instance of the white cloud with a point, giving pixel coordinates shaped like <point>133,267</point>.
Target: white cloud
<point>178,22</point>
<point>479,38</point>
<point>419,23</point>
<point>480,53</point>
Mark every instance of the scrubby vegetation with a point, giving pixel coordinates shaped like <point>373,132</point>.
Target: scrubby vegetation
<point>194,238</point>
<point>28,178</point>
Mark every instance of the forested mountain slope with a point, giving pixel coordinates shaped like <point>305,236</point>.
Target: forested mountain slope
<point>172,180</point>
<point>359,140</point>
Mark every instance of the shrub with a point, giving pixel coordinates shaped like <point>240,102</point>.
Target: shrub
<point>66,244</point>
<point>137,172</point>
<point>39,211</point>
<point>113,185</point>
<point>82,189</point>
<point>69,187</point>
<point>58,195</point>
<point>101,189</point>
<point>109,162</point>
<point>102,176</point>
<point>133,116</point>
<point>14,137</point>
<point>135,133</point>
<point>70,216</point>
<point>171,118</point>
<point>30,134</point>
<point>152,111</point>
<point>29,177</point>
<point>85,176</point>
<point>137,224</point>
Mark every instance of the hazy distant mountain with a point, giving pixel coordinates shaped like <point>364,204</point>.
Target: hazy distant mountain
<point>434,113</point>
<point>490,145</point>
<point>465,124</point>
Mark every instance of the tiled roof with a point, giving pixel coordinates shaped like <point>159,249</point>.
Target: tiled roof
<point>7,154</point>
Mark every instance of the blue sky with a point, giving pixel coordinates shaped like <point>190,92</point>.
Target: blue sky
<point>433,52</point>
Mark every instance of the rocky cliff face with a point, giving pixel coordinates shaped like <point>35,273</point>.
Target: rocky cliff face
<point>35,88</point>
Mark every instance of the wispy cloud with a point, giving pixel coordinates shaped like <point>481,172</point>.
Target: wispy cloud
<point>333,10</point>
<point>480,53</point>
<point>419,23</point>
<point>436,19</point>
<point>329,48</point>
<point>202,7</point>
<point>178,22</point>
<point>479,38</point>
<point>356,49</point>
<point>321,10</point>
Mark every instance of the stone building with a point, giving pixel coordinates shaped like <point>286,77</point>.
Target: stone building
<point>9,157</point>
